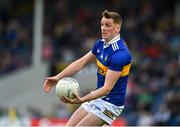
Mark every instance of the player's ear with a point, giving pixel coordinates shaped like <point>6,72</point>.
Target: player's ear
<point>118,28</point>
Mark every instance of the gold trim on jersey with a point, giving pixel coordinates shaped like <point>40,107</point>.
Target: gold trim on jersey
<point>103,69</point>
<point>125,70</point>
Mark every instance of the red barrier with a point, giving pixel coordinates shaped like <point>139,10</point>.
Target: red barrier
<point>61,122</point>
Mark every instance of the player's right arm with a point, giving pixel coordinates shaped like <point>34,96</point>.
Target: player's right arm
<point>73,68</point>
<point>77,65</point>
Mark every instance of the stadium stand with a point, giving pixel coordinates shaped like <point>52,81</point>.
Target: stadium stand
<point>15,36</point>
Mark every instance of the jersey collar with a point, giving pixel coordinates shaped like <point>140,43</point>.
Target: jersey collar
<point>115,39</point>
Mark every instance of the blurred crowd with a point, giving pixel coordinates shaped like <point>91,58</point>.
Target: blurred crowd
<point>71,28</point>
<point>15,37</point>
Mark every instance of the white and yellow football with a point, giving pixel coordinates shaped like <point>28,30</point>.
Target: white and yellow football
<point>66,87</point>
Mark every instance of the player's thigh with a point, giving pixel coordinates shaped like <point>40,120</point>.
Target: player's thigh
<point>79,114</point>
<point>91,120</point>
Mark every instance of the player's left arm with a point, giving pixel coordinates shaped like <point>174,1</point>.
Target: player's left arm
<point>117,62</point>
<point>110,81</point>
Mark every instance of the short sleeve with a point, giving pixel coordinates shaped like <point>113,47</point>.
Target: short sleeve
<point>120,59</point>
<point>94,48</point>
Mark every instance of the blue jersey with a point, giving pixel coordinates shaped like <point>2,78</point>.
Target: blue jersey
<point>114,56</point>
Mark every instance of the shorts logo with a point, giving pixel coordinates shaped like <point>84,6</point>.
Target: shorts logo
<point>110,114</point>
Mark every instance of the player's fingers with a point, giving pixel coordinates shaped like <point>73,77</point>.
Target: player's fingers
<point>75,95</point>
<point>50,79</point>
<point>63,100</point>
<point>45,84</point>
<point>46,88</point>
<point>66,100</point>
<point>47,78</point>
<point>69,100</point>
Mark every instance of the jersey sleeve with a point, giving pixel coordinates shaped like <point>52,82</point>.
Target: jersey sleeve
<point>94,48</point>
<point>119,59</point>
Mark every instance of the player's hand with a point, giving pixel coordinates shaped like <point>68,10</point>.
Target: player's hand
<point>76,100</point>
<point>49,83</point>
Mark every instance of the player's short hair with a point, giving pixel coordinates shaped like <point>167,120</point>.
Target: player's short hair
<point>112,15</point>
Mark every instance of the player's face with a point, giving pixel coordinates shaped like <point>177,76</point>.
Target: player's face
<point>109,29</point>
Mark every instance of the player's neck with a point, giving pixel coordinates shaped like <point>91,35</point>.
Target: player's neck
<point>107,40</point>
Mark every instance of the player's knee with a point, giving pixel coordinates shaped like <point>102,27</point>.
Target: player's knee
<point>105,125</point>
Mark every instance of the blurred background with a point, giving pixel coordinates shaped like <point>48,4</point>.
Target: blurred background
<point>38,38</point>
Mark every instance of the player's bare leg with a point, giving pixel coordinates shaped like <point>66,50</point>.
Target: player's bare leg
<point>77,116</point>
<point>91,120</point>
